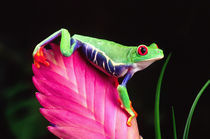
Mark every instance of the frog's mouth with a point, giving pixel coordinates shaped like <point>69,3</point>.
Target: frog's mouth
<point>144,64</point>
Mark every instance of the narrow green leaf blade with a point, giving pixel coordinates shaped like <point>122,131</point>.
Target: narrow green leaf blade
<point>189,118</point>
<point>157,101</point>
<point>174,124</point>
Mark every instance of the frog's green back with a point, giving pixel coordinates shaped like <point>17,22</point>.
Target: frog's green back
<point>115,51</point>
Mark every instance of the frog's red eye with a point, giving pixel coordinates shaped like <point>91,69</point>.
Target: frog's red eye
<point>142,50</point>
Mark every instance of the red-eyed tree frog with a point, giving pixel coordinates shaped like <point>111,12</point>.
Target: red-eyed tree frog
<point>114,59</point>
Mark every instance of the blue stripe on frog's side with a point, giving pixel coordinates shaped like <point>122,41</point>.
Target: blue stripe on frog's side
<point>101,60</point>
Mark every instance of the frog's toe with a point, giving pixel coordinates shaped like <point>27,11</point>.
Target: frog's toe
<point>39,58</point>
<point>130,119</point>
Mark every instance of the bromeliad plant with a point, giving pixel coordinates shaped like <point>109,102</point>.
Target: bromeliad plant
<point>113,59</point>
<point>88,96</point>
<point>79,101</point>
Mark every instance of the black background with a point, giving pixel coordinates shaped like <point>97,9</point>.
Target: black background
<point>180,27</point>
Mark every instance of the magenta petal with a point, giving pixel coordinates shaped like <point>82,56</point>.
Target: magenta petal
<point>46,74</point>
<point>80,100</point>
<point>54,102</point>
<point>67,118</point>
<point>59,90</point>
<point>76,132</point>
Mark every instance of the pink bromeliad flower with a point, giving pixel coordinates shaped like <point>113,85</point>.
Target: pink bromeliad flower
<point>79,100</point>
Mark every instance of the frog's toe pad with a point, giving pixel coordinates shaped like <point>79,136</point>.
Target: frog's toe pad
<point>129,123</point>
<point>129,120</point>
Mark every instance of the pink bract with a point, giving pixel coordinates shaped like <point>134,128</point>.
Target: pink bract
<point>79,100</point>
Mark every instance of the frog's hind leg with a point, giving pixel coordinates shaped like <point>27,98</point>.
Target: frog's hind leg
<point>126,103</point>
<point>124,99</point>
<point>67,46</point>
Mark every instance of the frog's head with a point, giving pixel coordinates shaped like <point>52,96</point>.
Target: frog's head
<point>143,55</point>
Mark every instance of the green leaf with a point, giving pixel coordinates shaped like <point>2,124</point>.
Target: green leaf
<point>189,118</point>
<point>22,112</point>
<point>174,124</point>
<point>157,101</point>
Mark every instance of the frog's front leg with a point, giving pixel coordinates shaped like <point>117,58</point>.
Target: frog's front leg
<point>124,98</point>
<point>67,46</point>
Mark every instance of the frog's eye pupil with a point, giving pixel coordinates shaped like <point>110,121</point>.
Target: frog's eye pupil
<point>142,50</point>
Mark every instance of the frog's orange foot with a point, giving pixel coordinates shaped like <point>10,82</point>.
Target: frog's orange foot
<point>136,114</point>
<point>132,113</point>
<point>39,58</point>
<point>129,123</point>
<point>129,120</point>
